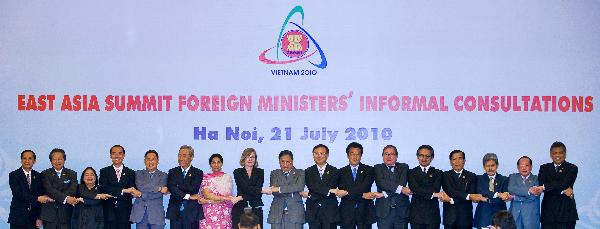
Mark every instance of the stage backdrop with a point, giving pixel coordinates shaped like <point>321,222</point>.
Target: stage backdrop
<point>508,77</point>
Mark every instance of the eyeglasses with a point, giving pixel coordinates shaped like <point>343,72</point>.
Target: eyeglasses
<point>424,156</point>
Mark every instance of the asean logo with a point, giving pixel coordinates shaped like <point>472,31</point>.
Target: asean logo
<point>295,44</point>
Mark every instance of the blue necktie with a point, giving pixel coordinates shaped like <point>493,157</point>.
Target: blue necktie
<point>181,207</point>
<point>391,168</point>
<point>354,174</point>
<point>151,175</point>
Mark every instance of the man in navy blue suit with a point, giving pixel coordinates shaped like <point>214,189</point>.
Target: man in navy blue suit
<point>26,186</point>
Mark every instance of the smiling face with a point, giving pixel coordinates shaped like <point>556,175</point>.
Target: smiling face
<point>57,161</point>
<point>151,161</point>
<point>216,164</point>
<point>89,179</point>
<point>558,155</point>
<point>524,167</point>
<point>117,155</point>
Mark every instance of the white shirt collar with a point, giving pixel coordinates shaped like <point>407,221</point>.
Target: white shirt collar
<point>26,173</point>
<point>492,177</point>
<point>354,167</point>
<point>121,167</point>
<point>322,168</point>
<point>459,172</point>
<point>58,171</point>
<point>426,168</point>
<point>185,169</point>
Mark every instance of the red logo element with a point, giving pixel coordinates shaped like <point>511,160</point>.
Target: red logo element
<point>294,44</point>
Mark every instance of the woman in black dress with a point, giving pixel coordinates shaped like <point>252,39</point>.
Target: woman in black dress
<point>249,181</point>
<point>88,213</point>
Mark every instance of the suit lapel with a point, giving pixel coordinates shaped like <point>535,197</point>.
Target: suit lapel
<point>23,178</point>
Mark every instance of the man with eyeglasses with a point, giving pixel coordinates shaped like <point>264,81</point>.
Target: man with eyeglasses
<point>391,177</point>
<point>425,181</point>
<point>321,181</point>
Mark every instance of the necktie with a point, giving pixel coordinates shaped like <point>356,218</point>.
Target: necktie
<point>354,174</point>
<point>118,171</point>
<point>556,168</point>
<point>286,175</point>
<point>184,172</point>
<point>524,179</point>
<point>58,174</point>
<point>491,184</point>
<point>151,175</point>
<point>29,181</point>
<point>391,168</point>
<point>321,173</point>
<point>458,176</point>
<point>425,170</point>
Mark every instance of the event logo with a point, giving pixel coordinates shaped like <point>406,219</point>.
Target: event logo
<point>295,44</point>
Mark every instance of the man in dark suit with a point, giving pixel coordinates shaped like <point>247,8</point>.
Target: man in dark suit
<point>117,181</point>
<point>494,188</point>
<point>460,185</point>
<point>321,181</point>
<point>392,203</point>
<point>425,182</point>
<point>355,180</point>
<point>557,179</point>
<point>183,182</point>
<point>26,187</point>
<point>60,184</point>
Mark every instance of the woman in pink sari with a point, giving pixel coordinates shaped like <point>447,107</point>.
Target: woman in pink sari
<point>216,190</point>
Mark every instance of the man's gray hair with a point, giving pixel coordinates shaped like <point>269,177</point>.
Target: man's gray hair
<point>490,156</point>
<point>188,148</point>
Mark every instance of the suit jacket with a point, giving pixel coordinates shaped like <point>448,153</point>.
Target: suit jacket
<point>24,208</point>
<point>321,204</point>
<point>179,187</point>
<point>423,208</point>
<point>557,207</point>
<point>249,187</point>
<point>524,206</point>
<point>354,201</point>
<point>485,210</point>
<point>151,201</point>
<point>58,189</point>
<point>90,213</point>
<point>461,212</point>
<point>289,194</point>
<point>388,182</point>
<point>117,209</point>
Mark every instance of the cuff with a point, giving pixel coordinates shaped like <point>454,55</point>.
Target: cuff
<point>385,194</point>
<point>467,197</point>
<point>451,200</point>
<point>399,189</point>
<point>186,197</point>
<point>495,195</point>
<point>432,196</point>
<point>65,201</point>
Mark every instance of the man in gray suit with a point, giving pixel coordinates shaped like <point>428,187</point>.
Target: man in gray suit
<point>523,187</point>
<point>148,211</point>
<point>391,177</point>
<point>287,209</point>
